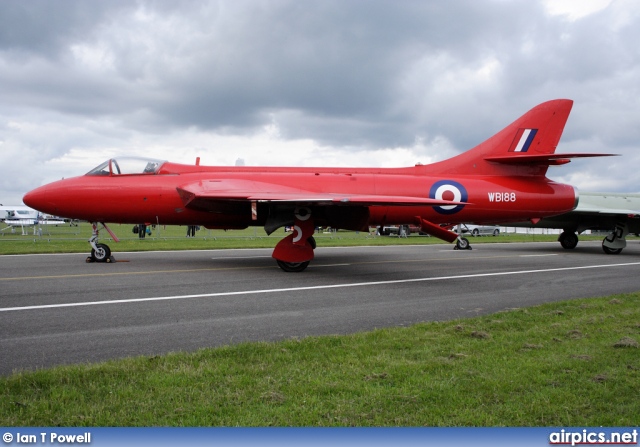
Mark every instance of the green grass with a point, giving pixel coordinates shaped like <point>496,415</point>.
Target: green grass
<point>66,239</point>
<point>574,363</point>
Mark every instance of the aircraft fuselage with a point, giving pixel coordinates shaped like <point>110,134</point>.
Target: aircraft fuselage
<point>154,198</point>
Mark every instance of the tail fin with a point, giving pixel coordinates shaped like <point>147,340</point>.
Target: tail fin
<point>525,147</point>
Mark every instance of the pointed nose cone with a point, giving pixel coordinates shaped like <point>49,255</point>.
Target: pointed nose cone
<point>71,198</point>
<point>41,199</point>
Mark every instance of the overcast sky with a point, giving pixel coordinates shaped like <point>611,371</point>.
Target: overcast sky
<point>310,83</point>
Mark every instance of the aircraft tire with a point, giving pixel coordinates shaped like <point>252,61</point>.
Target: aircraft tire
<point>462,244</point>
<point>611,251</point>
<point>568,240</point>
<point>312,242</point>
<point>102,254</point>
<point>292,267</point>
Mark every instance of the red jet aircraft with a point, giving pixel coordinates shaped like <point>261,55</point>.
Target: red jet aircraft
<point>501,180</point>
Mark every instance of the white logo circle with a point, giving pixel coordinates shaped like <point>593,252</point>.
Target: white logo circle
<point>457,195</point>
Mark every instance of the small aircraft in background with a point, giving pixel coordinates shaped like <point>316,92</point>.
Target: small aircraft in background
<point>22,216</point>
<point>502,179</point>
<point>17,212</point>
<point>618,213</point>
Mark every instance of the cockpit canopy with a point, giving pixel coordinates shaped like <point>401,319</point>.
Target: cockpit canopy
<point>128,166</point>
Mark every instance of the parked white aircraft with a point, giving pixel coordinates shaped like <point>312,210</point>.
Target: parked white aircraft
<point>618,213</point>
<point>24,217</point>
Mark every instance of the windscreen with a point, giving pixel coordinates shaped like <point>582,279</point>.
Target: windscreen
<point>127,166</point>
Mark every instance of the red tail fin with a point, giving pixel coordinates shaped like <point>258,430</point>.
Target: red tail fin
<point>525,147</point>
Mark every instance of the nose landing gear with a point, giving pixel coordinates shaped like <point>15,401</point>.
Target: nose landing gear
<point>100,252</point>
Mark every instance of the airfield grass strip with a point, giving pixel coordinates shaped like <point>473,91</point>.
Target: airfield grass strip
<point>73,239</point>
<point>573,363</point>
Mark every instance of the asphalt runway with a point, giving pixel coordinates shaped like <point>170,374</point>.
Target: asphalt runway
<point>57,309</point>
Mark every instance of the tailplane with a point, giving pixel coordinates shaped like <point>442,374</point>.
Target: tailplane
<point>525,147</point>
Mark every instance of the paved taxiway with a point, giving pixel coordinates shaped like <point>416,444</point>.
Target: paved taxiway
<point>57,309</point>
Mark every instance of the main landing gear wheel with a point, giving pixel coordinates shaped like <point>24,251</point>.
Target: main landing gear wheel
<point>568,240</point>
<point>462,244</point>
<point>294,252</point>
<point>294,267</point>
<point>102,253</point>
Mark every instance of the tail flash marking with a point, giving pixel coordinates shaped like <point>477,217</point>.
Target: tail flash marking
<point>522,140</point>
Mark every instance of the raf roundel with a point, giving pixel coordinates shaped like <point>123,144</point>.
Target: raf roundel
<point>448,190</point>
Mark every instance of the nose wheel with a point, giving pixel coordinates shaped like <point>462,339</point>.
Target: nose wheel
<point>462,244</point>
<point>100,252</point>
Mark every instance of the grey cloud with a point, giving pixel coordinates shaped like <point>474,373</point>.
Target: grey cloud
<point>225,64</point>
<point>356,74</point>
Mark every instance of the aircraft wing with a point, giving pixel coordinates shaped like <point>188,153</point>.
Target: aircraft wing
<point>197,194</point>
<point>608,212</point>
<point>609,204</point>
<point>595,211</point>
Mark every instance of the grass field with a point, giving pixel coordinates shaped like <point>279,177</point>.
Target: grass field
<point>73,239</point>
<point>575,363</point>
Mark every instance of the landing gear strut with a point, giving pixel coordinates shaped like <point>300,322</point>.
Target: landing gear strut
<point>100,252</point>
